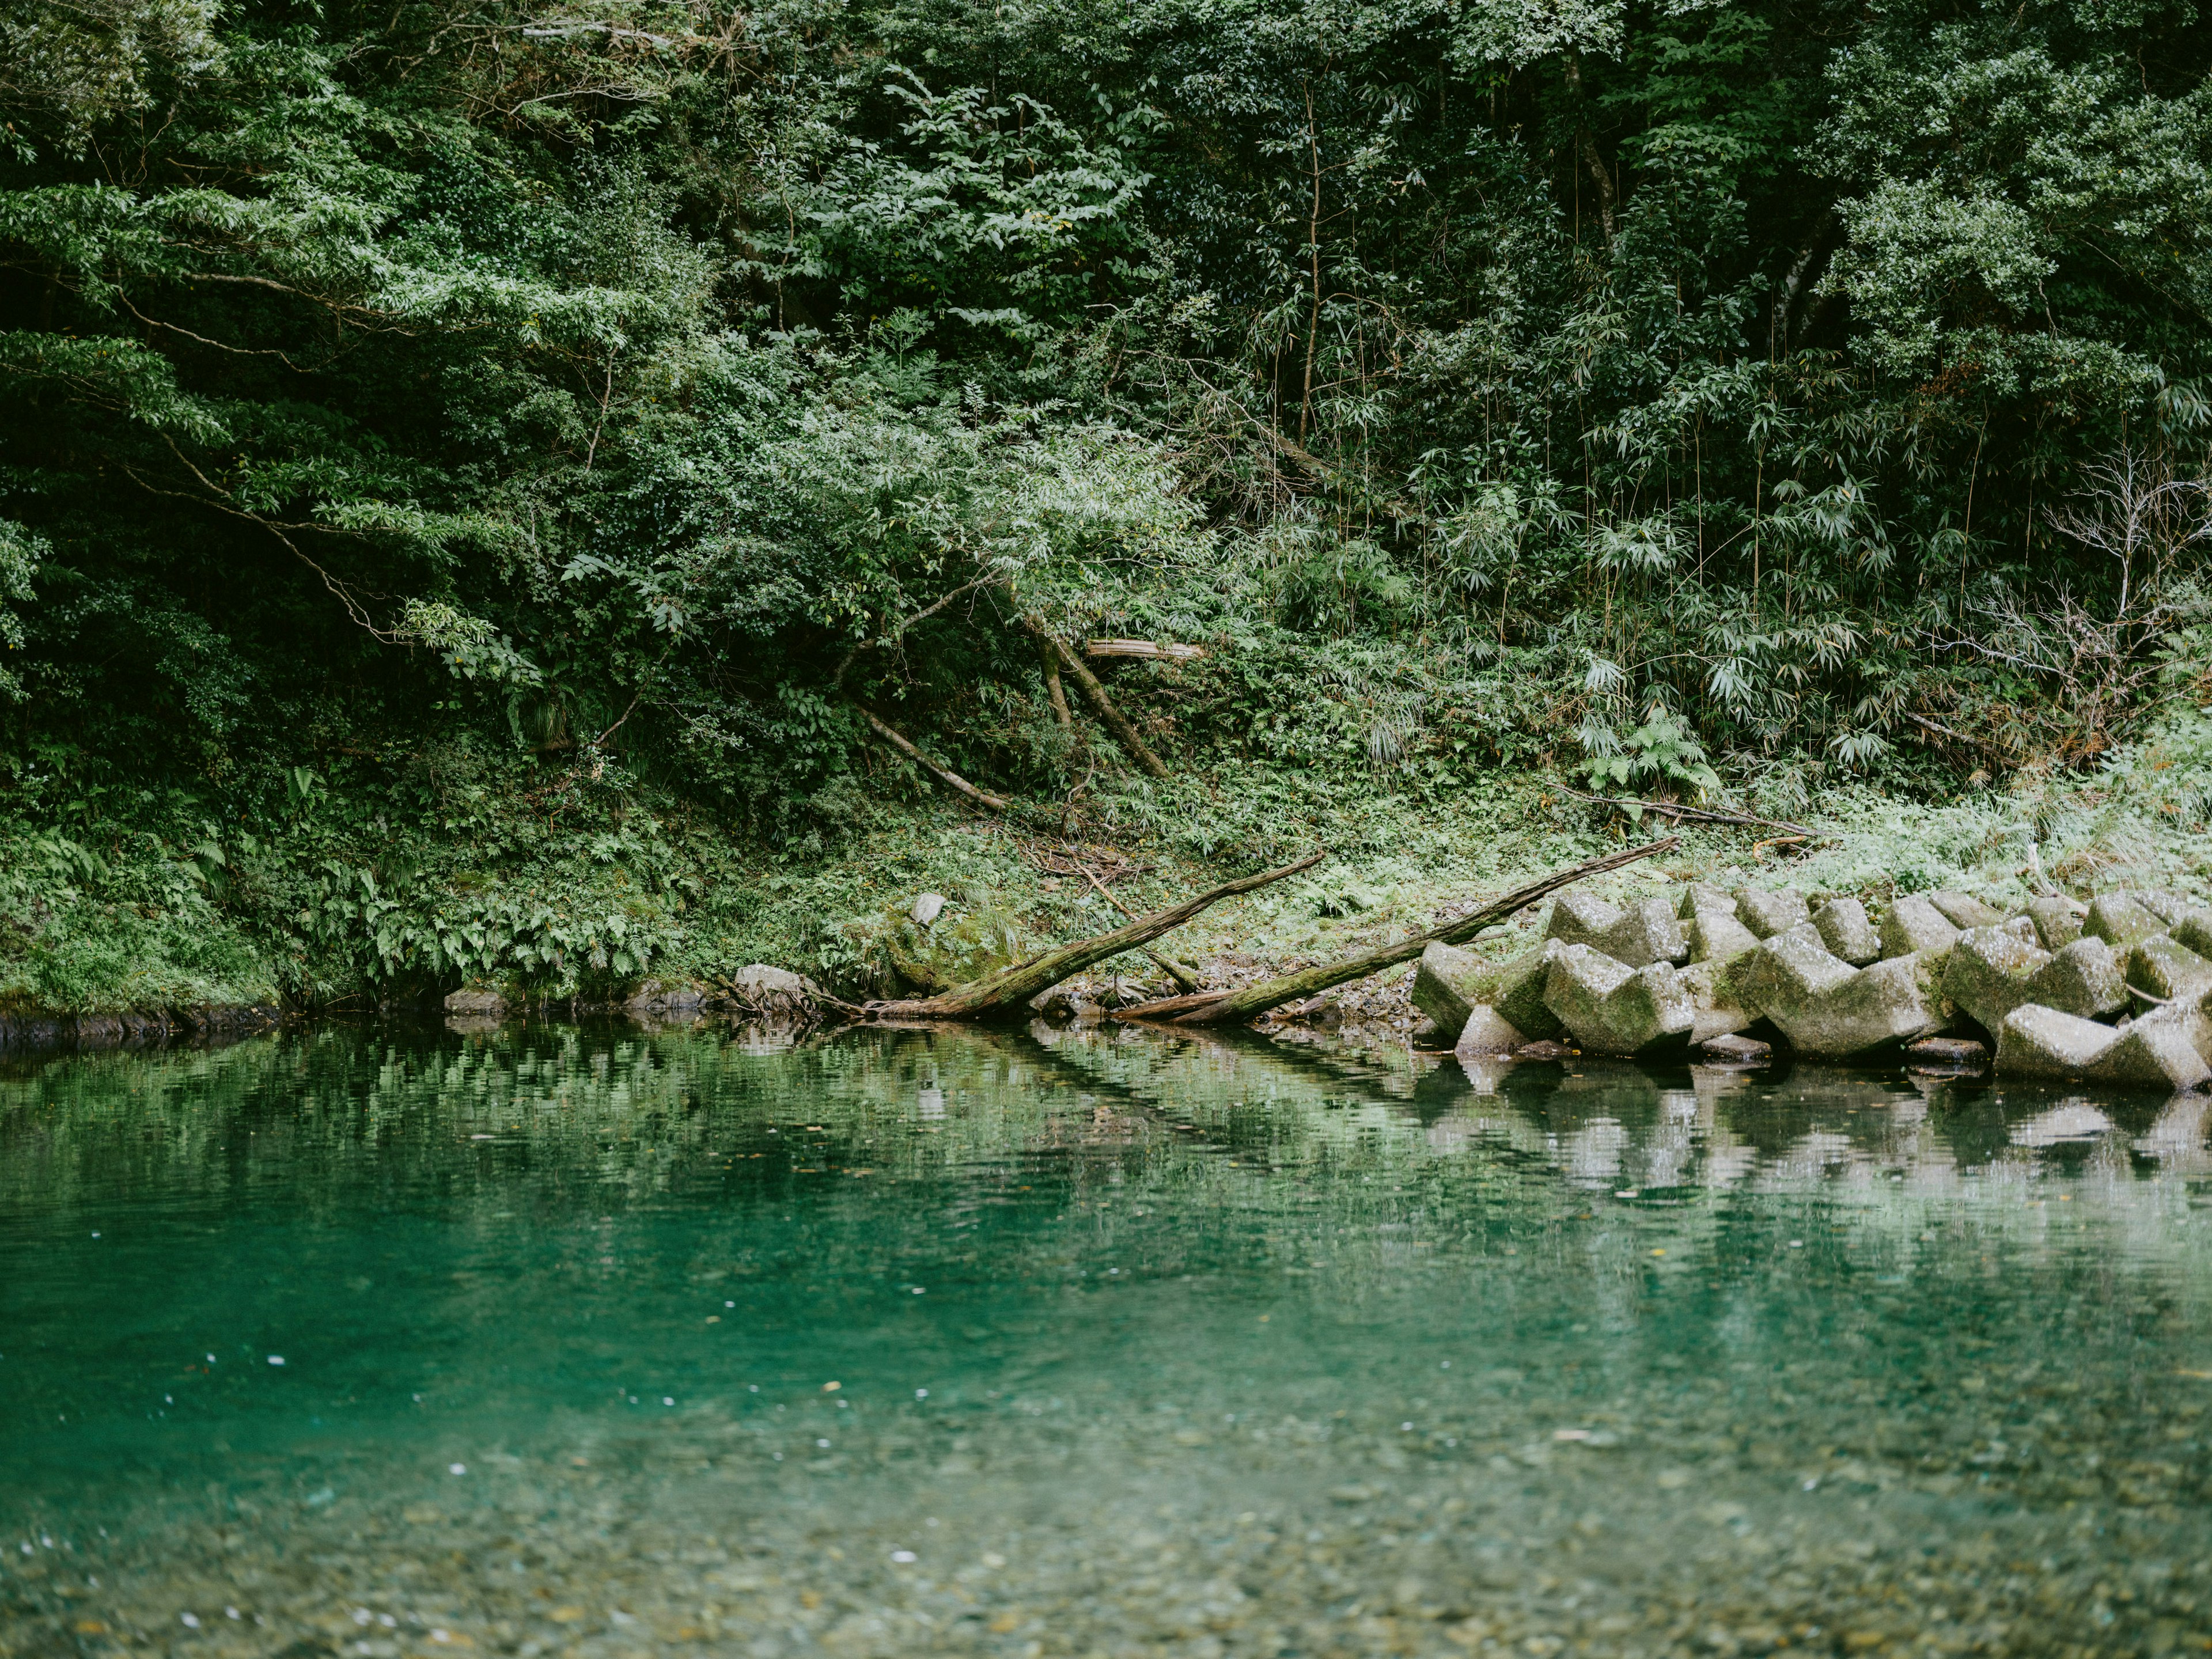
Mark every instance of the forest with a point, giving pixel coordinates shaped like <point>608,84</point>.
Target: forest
<point>505,492</point>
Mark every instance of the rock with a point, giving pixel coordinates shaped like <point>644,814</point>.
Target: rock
<point>1987,973</point>
<point>1729,1049</point>
<point>2194,929</point>
<point>478,1003</point>
<point>1786,971</point>
<point>1913,927</point>
<point>1547,1049</point>
<point>1448,981</point>
<point>2119,921</point>
<point>1518,994</point>
<point>1962,910</point>
<point>2083,978</point>
<point>1614,1009</point>
<point>1712,995</point>
<point>927,907</point>
<point>2154,1051</point>
<point>661,996</point>
<point>1484,1033</point>
<point>1717,936</point>
<point>1648,932</point>
<point>1768,913</point>
<point>2169,906</point>
<point>2058,921</point>
<point>2168,969</point>
<point>1580,919</point>
<point>759,988</point>
<point>1891,1002</point>
<point>1845,928</point>
<point>1698,897</point>
<point>1950,1053</point>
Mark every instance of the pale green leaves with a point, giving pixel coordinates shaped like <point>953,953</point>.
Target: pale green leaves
<point>1923,259</point>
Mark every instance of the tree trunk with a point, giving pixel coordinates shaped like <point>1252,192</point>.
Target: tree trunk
<point>1219,1007</point>
<point>1185,977</point>
<point>1115,720</point>
<point>1053,688</point>
<point>1015,986</point>
<point>944,775</point>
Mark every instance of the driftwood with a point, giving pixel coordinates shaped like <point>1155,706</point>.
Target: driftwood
<point>1149,648</point>
<point>944,775</point>
<point>1014,987</point>
<point>1117,722</point>
<point>1219,1007</point>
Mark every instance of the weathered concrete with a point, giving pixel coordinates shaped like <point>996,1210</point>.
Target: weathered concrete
<point>2154,1052</point>
<point>1711,987</point>
<point>1963,910</point>
<point>1518,993</point>
<point>2194,929</point>
<point>1846,930</point>
<point>1698,897</point>
<point>1614,1009</point>
<point>1877,1007</point>
<point>2082,978</point>
<point>1580,918</point>
<point>1768,912</point>
<point>2169,906</point>
<point>1786,970</point>
<point>1448,983</point>
<point>2058,921</point>
<point>1911,926</point>
<point>2168,969</point>
<point>1717,936</point>
<point>1486,1033</point>
<point>2118,920</point>
<point>478,1004</point>
<point>1988,973</point>
<point>1949,1053</point>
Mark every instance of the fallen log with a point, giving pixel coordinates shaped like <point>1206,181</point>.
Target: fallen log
<point>1014,986</point>
<point>944,775</point>
<point>1185,977</point>
<point>1095,694</point>
<point>1220,1007</point>
<point>1151,648</point>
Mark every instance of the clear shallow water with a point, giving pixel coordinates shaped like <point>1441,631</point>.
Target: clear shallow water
<point>1140,1346</point>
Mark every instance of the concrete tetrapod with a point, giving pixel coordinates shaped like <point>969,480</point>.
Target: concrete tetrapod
<point>1768,913</point>
<point>1717,936</point>
<point>1845,929</point>
<point>1827,1008</point>
<point>2057,920</point>
<point>2168,969</point>
<point>1451,983</point>
<point>1987,973</point>
<point>2154,1051</point>
<point>1963,910</point>
<point>1647,931</point>
<point>1911,926</point>
<point>1614,1009</point>
<point>2119,921</point>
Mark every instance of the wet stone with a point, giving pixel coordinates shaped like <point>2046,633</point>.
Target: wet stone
<point>1717,936</point>
<point>1730,1049</point>
<point>2168,969</point>
<point>1947,1053</point>
<point>1845,929</point>
<point>1486,1033</point>
<point>2082,978</point>
<point>1768,912</point>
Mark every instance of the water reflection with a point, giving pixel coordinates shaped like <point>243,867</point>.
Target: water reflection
<point>1194,1344</point>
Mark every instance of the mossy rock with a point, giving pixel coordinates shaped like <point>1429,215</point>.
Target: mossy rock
<point>968,941</point>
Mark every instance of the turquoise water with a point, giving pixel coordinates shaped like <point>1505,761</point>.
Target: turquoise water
<point>597,1342</point>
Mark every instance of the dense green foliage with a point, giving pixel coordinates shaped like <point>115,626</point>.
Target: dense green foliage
<point>453,454</point>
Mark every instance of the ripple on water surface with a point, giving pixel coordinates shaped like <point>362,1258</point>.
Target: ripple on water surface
<point>549,1342</point>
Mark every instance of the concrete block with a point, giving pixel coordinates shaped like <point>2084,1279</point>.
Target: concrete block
<point>1698,897</point>
<point>1712,995</point>
<point>1648,932</point>
<point>1732,1050</point>
<point>1768,912</point>
<point>1611,1008</point>
<point>2039,1041</point>
<point>2169,906</point>
<point>2154,1052</point>
<point>2083,978</point>
<point>1786,970</point>
<point>1845,928</point>
<point>1963,910</point>
<point>1518,991</point>
<point>1484,1033</point>
<point>1987,973</point>
<point>2058,921</point>
<point>1912,925</point>
<point>1876,1007</point>
<point>1580,919</point>
<point>2168,969</point>
<point>2194,929</point>
<point>2118,920</point>
<point>1717,936</point>
<point>1449,983</point>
